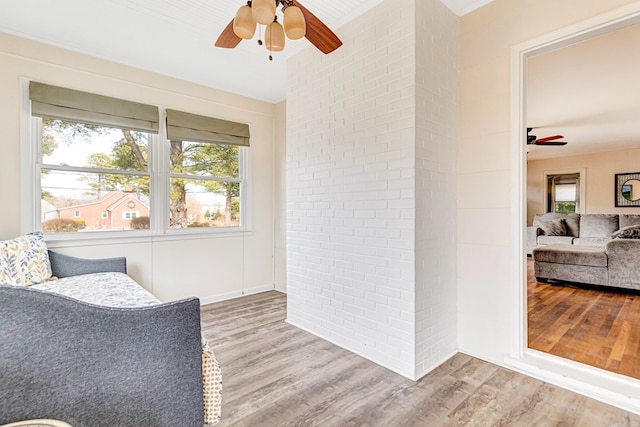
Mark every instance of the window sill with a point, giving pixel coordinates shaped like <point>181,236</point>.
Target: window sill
<point>65,240</point>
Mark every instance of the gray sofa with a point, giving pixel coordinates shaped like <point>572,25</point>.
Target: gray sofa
<point>97,366</point>
<point>597,249</point>
<point>579,229</point>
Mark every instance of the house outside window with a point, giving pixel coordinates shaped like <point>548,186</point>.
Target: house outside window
<point>101,168</point>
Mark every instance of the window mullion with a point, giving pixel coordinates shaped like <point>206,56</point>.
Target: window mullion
<point>160,181</point>
<point>205,178</point>
<point>79,169</point>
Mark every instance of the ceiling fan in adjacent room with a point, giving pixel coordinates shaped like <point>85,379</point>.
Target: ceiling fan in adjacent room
<point>548,141</point>
<point>298,22</point>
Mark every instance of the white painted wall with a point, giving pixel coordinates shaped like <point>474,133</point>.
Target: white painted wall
<point>280,202</point>
<point>210,268</point>
<point>365,131</point>
<point>487,314</point>
<point>600,170</point>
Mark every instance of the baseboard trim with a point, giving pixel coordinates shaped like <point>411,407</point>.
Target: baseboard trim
<point>412,376</point>
<point>436,365</point>
<point>613,389</point>
<point>377,362</point>
<point>236,294</point>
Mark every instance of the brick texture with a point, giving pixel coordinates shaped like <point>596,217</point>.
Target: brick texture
<point>436,183</point>
<point>365,266</point>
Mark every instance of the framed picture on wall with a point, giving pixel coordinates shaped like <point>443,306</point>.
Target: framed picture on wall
<point>627,190</point>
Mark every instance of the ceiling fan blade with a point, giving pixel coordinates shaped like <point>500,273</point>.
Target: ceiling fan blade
<point>317,32</point>
<point>550,143</point>
<point>549,138</point>
<point>228,38</point>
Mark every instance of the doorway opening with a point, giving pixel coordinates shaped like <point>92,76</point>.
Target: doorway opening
<point>616,389</point>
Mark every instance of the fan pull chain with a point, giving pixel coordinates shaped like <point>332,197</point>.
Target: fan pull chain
<point>259,35</point>
<point>270,52</point>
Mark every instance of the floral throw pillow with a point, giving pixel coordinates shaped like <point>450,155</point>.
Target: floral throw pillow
<point>24,261</point>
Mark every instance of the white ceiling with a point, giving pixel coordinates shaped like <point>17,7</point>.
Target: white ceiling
<point>176,37</point>
<point>589,92</point>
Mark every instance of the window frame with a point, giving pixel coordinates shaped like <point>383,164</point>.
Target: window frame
<point>548,203</point>
<point>158,171</point>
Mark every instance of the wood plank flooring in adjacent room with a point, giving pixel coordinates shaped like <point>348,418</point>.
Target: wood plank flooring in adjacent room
<point>278,375</point>
<point>597,327</point>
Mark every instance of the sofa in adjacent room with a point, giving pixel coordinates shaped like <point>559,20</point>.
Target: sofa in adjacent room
<point>576,229</point>
<point>597,249</point>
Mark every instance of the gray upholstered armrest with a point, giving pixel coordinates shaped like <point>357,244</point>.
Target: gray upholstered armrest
<point>66,265</point>
<point>532,237</point>
<point>95,366</point>
<point>623,257</point>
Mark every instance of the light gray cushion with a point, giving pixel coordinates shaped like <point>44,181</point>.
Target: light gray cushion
<point>629,220</point>
<point>598,242</point>
<point>572,221</point>
<point>553,227</point>
<point>630,232</point>
<point>550,240</point>
<point>598,225</point>
<point>565,254</point>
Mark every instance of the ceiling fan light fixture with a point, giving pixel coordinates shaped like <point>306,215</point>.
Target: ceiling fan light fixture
<point>300,22</point>
<point>263,11</point>
<point>274,37</point>
<point>294,24</point>
<point>244,26</point>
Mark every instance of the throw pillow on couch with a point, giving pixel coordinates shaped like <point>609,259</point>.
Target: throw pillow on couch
<point>553,227</point>
<point>630,232</point>
<point>24,261</point>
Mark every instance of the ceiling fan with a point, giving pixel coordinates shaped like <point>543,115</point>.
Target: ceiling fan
<point>302,23</point>
<point>549,140</point>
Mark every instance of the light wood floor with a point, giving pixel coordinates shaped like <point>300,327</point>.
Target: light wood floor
<point>278,375</point>
<point>597,327</point>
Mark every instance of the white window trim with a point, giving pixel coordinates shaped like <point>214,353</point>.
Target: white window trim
<point>30,211</point>
<point>582,195</point>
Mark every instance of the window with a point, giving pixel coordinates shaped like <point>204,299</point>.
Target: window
<point>94,154</point>
<point>206,170</point>
<point>93,167</point>
<point>563,193</point>
<point>130,215</point>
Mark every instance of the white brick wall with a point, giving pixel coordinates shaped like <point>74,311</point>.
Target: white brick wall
<point>352,212</point>
<point>436,183</point>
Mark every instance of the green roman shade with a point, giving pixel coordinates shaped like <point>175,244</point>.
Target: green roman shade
<point>68,104</point>
<point>191,127</point>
